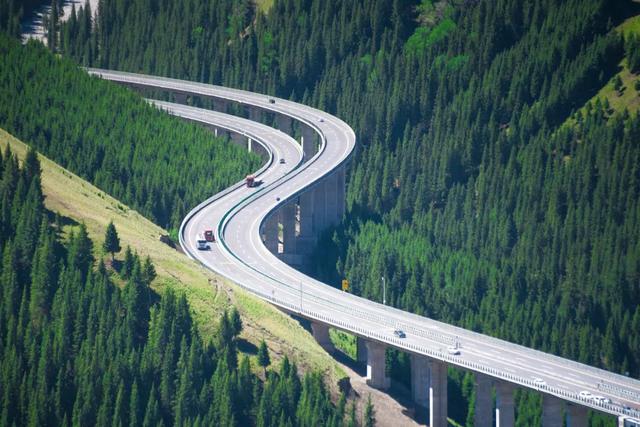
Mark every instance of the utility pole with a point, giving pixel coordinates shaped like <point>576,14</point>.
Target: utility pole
<point>300,297</point>
<point>384,291</point>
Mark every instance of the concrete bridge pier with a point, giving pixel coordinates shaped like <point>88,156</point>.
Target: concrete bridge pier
<point>306,239</point>
<point>420,378</point>
<point>290,253</point>
<point>484,401</point>
<point>505,415</point>
<point>284,124</point>
<point>270,232</point>
<point>331,200</point>
<point>321,335</point>
<point>376,366</point>
<point>438,394</point>
<point>551,411</point>
<point>577,415</point>
<point>319,208</point>
<point>308,142</point>
<point>361,350</point>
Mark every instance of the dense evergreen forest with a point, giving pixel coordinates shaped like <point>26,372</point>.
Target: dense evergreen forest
<point>478,192</point>
<point>157,164</point>
<point>75,349</point>
<point>468,195</point>
<point>12,13</point>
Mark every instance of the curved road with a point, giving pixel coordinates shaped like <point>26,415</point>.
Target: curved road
<point>238,213</point>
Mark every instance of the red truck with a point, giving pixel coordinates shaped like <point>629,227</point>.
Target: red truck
<point>208,236</point>
<point>251,181</point>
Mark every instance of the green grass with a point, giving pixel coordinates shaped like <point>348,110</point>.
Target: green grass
<point>630,26</point>
<point>345,342</point>
<point>264,5</point>
<point>629,97</point>
<point>208,294</point>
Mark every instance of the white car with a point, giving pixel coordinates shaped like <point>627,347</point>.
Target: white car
<point>585,394</point>
<point>601,399</point>
<point>539,382</point>
<point>453,350</point>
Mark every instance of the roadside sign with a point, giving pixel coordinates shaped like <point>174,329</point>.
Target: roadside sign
<point>345,285</point>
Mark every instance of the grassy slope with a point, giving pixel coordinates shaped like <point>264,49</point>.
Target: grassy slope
<point>630,98</point>
<point>264,5</point>
<point>208,294</point>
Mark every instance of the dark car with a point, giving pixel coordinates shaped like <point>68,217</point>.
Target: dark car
<point>399,333</point>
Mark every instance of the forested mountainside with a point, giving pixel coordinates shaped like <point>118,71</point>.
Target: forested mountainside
<point>12,12</point>
<point>76,349</point>
<point>468,194</point>
<point>157,164</point>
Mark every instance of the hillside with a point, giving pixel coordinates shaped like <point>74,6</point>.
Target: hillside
<point>467,192</point>
<point>627,95</point>
<point>207,293</point>
<point>82,344</point>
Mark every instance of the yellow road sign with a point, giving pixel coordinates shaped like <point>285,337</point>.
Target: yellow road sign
<point>345,285</point>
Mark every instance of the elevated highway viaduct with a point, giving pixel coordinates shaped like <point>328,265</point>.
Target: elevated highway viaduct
<point>264,232</point>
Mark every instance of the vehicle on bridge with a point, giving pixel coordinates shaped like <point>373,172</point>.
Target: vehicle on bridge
<point>202,243</point>
<point>251,181</point>
<point>208,236</point>
<point>399,333</point>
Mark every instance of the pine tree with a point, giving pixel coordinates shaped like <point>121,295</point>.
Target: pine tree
<point>369,414</point>
<point>111,240</point>
<point>236,322</point>
<point>263,356</point>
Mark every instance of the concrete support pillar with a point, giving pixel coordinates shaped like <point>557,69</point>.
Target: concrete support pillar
<point>577,415</point>
<point>180,98</point>
<point>321,335</point>
<point>376,368</point>
<point>628,422</point>
<point>270,232</point>
<point>361,350</point>
<point>219,105</point>
<point>551,411</point>
<point>309,137</point>
<point>249,148</point>
<point>331,200</point>
<point>319,208</point>
<point>505,415</point>
<point>284,123</point>
<point>438,394</point>
<point>484,401</point>
<point>420,380</point>
<point>288,221</point>
<point>306,238</point>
